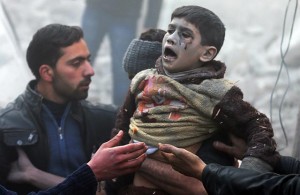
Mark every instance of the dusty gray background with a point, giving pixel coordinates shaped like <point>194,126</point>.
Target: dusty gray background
<point>251,51</point>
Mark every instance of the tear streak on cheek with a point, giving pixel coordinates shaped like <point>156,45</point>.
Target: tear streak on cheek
<point>187,43</point>
<point>183,45</point>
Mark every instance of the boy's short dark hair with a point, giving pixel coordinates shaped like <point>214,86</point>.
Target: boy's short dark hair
<point>210,26</point>
<point>45,46</point>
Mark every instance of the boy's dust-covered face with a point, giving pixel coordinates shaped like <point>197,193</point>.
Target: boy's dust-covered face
<point>182,47</point>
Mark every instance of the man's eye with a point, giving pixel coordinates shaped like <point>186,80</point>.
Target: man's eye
<point>76,63</point>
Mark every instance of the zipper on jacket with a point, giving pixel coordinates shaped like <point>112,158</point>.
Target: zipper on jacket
<point>60,133</point>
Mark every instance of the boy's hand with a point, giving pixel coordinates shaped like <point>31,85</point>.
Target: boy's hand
<point>183,161</point>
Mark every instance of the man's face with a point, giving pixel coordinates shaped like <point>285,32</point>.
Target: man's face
<point>73,72</point>
<point>181,47</point>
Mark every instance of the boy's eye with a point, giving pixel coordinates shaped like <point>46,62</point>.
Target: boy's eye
<point>186,35</point>
<point>170,31</point>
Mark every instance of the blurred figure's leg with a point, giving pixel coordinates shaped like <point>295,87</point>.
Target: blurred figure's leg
<point>95,26</point>
<point>121,34</point>
<point>153,13</point>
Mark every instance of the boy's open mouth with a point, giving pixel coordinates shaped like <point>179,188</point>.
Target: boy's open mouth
<point>169,54</point>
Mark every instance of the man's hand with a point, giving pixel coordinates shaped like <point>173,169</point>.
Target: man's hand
<point>20,169</point>
<point>111,161</point>
<point>237,150</point>
<point>183,161</point>
<point>23,171</point>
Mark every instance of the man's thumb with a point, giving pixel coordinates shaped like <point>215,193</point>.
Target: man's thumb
<point>115,140</point>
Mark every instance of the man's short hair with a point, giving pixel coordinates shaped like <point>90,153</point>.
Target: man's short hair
<point>45,46</point>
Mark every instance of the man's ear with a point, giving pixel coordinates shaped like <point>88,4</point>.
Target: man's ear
<point>209,54</point>
<point>46,72</point>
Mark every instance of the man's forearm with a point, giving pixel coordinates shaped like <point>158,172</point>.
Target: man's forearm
<point>173,182</point>
<point>44,180</point>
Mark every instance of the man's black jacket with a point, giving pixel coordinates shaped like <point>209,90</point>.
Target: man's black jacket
<point>21,125</point>
<point>229,180</point>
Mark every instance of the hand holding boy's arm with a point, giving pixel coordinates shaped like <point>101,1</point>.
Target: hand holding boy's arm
<point>183,161</point>
<point>237,149</point>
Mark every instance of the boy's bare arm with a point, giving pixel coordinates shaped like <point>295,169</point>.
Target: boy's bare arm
<point>173,182</point>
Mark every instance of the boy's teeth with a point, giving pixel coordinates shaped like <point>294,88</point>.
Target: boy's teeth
<point>170,58</point>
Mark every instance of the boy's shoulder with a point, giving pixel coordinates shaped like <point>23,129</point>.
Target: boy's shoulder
<point>215,87</point>
<point>226,83</point>
<point>144,73</point>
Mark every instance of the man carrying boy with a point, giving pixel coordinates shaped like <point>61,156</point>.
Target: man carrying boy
<point>142,54</point>
<point>186,100</point>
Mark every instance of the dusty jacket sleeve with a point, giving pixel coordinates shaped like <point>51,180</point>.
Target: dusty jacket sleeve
<point>123,118</point>
<point>230,180</point>
<point>238,116</point>
<point>82,181</point>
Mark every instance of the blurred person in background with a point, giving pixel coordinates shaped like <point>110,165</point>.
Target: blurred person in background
<point>119,20</point>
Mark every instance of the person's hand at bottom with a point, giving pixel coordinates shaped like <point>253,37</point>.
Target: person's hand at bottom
<point>111,161</point>
<point>182,160</point>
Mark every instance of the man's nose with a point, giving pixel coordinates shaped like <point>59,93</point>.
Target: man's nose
<point>89,70</point>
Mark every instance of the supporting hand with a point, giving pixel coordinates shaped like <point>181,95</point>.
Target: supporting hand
<point>237,150</point>
<point>183,161</point>
<point>111,160</point>
<point>20,169</point>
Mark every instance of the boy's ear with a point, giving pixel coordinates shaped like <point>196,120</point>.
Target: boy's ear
<point>46,72</point>
<point>209,54</point>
